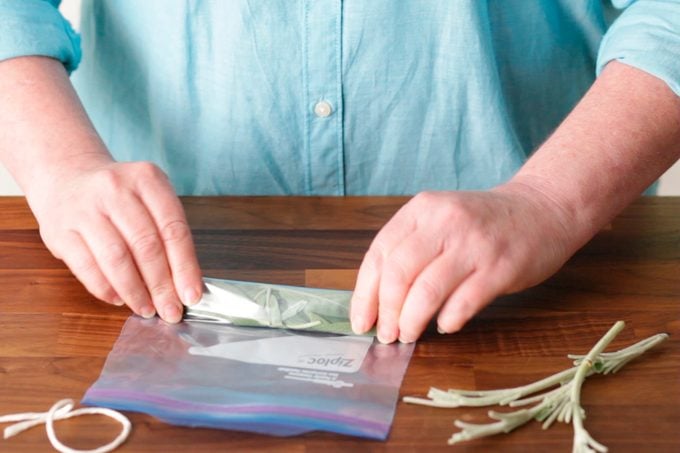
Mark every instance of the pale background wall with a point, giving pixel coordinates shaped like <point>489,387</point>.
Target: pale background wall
<point>669,185</point>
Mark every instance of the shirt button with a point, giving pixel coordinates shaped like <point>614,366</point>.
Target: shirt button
<point>323,109</point>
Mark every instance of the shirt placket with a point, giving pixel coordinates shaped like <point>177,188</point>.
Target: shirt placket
<point>322,41</point>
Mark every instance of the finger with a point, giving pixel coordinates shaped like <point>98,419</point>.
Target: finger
<point>428,292</point>
<point>134,222</point>
<point>364,304</point>
<point>116,263</point>
<point>400,270</point>
<point>168,214</point>
<point>473,294</point>
<point>79,259</point>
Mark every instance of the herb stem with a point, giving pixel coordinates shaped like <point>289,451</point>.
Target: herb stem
<point>562,403</point>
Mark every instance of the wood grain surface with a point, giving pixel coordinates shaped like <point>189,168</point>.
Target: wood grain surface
<point>54,337</point>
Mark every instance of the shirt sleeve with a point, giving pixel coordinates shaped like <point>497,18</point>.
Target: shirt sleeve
<point>35,27</point>
<point>647,36</point>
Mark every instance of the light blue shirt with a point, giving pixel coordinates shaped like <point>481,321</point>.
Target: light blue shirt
<point>335,97</point>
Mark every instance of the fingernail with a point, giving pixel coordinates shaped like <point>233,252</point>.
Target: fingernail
<point>405,340</point>
<point>147,312</point>
<point>441,331</point>
<point>385,336</point>
<point>191,297</point>
<point>172,314</point>
<point>358,324</point>
<point>118,302</point>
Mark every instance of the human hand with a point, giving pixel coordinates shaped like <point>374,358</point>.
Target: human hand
<point>122,231</point>
<point>454,252</point>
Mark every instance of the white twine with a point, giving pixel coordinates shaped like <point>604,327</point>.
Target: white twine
<point>61,411</point>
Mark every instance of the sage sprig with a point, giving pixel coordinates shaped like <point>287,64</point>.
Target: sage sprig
<point>562,403</point>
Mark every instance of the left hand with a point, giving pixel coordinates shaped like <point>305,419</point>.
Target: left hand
<point>453,253</point>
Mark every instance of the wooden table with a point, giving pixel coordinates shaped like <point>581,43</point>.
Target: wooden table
<point>54,337</point>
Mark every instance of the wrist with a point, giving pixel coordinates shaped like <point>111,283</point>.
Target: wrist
<point>50,176</point>
<point>568,218</point>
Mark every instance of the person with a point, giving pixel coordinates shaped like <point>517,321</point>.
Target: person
<point>442,100</point>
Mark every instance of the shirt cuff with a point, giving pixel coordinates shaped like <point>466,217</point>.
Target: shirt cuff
<point>35,27</point>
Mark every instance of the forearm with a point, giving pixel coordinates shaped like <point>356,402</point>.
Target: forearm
<point>44,126</point>
<point>118,226</point>
<point>618,140</point>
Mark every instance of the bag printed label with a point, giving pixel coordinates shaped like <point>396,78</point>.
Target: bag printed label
<point>341,354</point>
<point>328,378</point>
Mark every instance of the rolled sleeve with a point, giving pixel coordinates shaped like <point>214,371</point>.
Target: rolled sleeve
<point>35,27</point>
<point>647,36</point>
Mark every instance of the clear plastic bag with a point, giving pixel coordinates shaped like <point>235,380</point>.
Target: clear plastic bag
<point>271,381</point>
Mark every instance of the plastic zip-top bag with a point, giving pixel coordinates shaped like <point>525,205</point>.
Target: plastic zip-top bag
<point>272,381</point>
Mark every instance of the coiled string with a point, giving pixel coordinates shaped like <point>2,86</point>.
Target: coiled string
<point>61,411</point>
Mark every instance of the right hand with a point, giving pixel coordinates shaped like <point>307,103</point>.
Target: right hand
<point>122,231</point>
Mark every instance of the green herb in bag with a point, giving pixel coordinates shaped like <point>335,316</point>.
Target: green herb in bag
<point>279,306</point>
